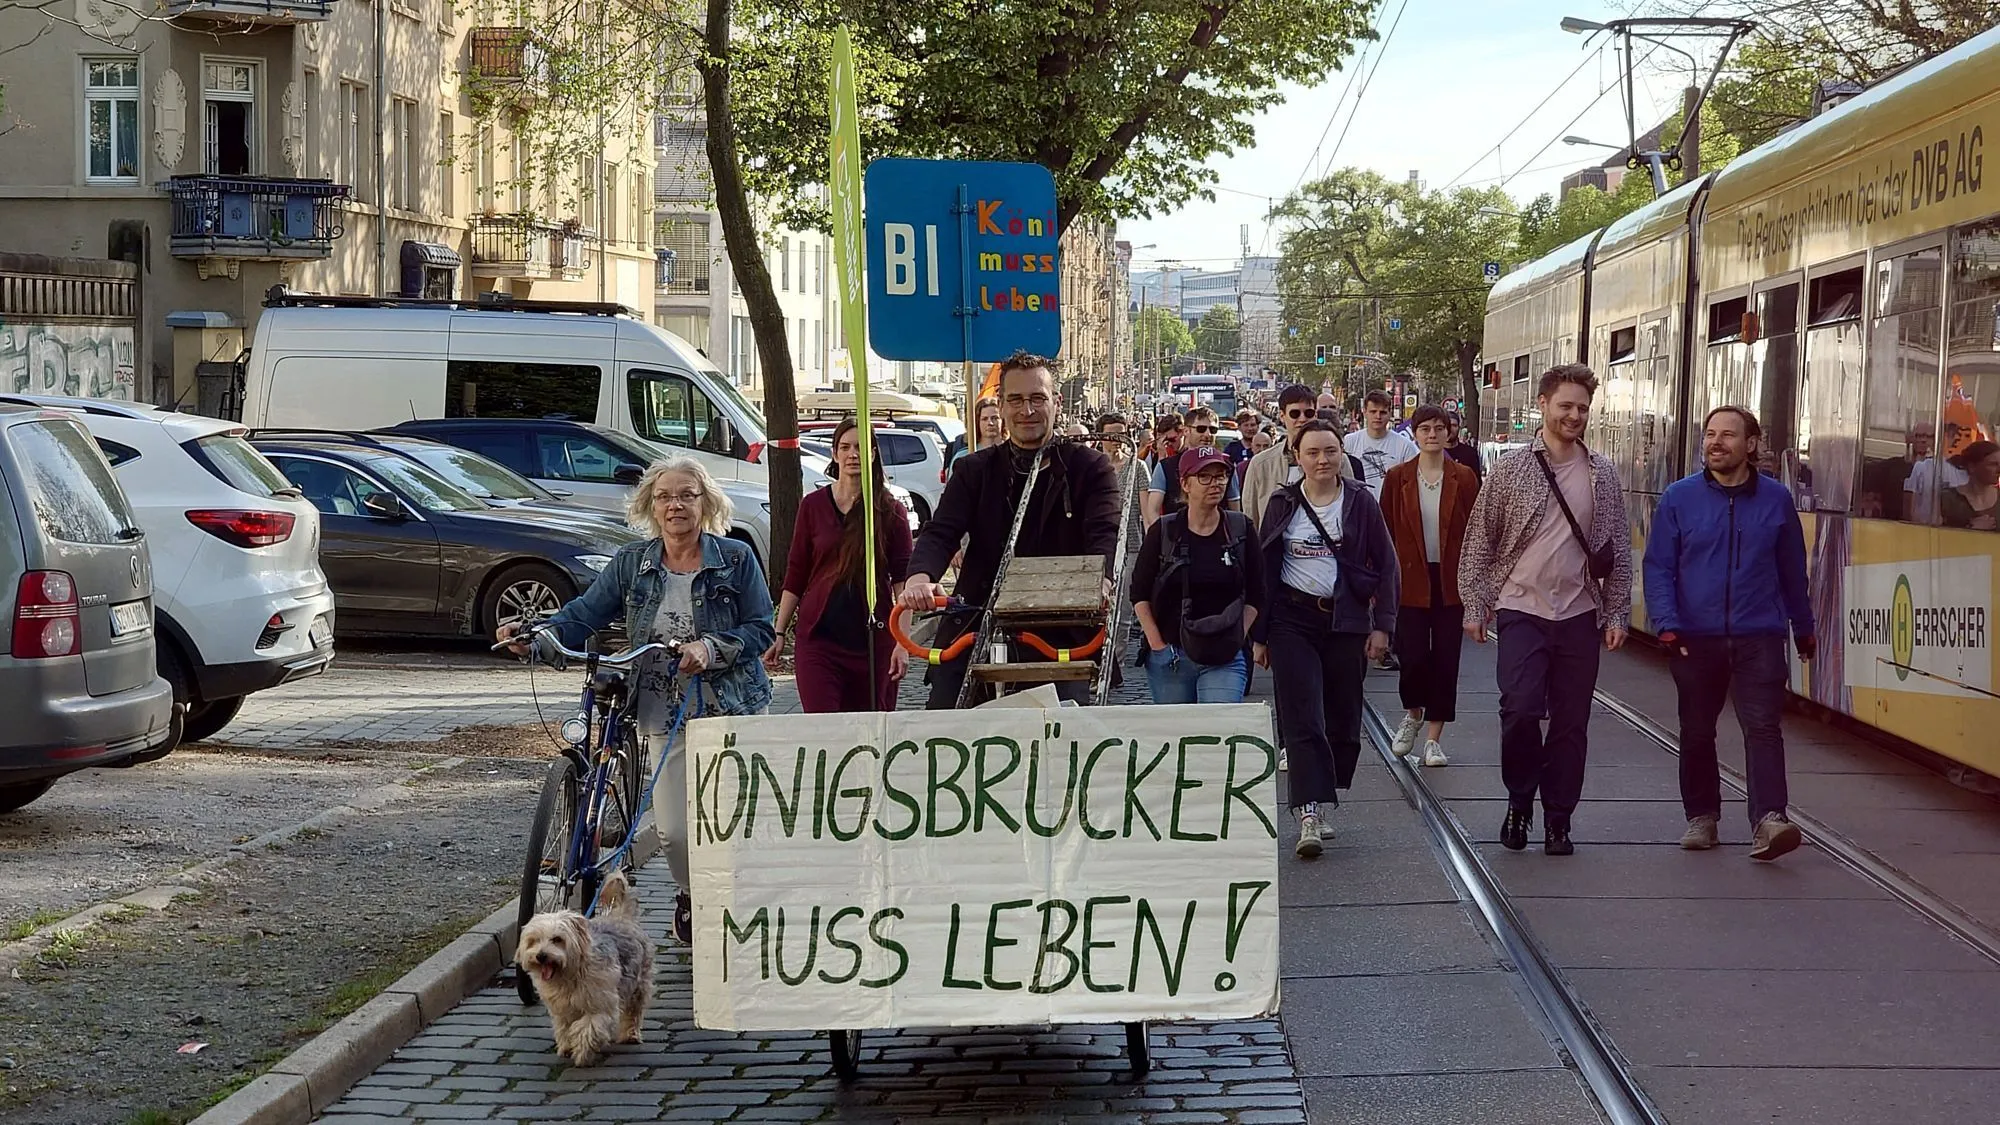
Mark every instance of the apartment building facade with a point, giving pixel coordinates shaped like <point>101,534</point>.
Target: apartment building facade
<point>361,147</point>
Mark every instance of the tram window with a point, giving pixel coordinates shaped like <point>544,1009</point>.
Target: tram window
<point>1835,297</point>
<point>1725,320</point>
<point>1520,369</point>
<point>1970,411</point>
<point>1902,471</point>
<point>1624,344</point>
<point>1775,357</point>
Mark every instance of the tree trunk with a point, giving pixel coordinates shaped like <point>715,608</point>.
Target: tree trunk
<point>767,319</point>
<point>1468,383</point>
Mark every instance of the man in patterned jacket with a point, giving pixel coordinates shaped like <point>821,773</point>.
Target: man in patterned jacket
<point>1548,557</point>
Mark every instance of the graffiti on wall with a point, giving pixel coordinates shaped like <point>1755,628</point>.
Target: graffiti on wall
<point>89,360</point>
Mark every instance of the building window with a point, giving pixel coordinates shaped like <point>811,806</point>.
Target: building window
<point>111,125</point>
<point>785,264</point>
<point>639,227</point>
<point>687,270</point>
<point>309,110</point>
<point>229,117</point>
<point>354,139</point>
<point>520,175</point>
<point>586,203</point>
<point>609,208</point>
<point>483,182</point>
<point>446,166</point>
<point>403,118</point>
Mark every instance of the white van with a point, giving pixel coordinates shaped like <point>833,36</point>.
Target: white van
<point>359,363</point>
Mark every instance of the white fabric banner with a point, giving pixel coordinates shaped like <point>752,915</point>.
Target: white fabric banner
<point>996,866</point>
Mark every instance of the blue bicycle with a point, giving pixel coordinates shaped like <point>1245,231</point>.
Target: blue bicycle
<point>595,791</point>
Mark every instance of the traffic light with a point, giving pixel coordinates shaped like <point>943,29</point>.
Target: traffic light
<point>1319,354</point>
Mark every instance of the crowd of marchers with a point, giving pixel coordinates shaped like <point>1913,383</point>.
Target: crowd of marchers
<point>1312,551</point>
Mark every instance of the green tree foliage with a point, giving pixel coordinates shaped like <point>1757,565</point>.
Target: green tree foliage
<point>1364,250</point>
<point>1159,333</point>
<point>1125,102</point>
<point>1218,335</point>
<point>1547,224</point>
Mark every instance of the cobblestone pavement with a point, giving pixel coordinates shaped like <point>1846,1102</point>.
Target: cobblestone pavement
<point>493,1059</point>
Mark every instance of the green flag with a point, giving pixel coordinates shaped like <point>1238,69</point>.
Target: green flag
<point>844,177</point>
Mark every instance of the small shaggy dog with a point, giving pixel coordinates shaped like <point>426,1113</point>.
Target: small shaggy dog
<point>595,975</point>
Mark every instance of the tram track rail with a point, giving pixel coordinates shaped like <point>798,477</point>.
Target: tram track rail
<point>1885,876</point>
<point>1590,1051</point>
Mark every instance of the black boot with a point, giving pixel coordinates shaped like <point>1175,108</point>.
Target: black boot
<point>1555,840</point>
<point>1514,829</point>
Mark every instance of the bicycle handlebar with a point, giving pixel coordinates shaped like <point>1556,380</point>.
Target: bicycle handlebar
<point>624,659</point>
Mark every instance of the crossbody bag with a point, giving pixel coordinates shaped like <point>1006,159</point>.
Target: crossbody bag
<point>1599,561</point>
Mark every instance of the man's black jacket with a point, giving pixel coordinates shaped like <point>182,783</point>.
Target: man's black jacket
<point>1074,511</point>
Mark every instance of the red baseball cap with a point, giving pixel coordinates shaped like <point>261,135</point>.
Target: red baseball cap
<point>1193,461</point>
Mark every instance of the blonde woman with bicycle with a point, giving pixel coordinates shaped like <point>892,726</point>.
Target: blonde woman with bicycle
<point>692,586</point>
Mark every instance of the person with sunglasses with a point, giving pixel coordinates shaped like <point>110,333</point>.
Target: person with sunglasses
<point>1164,494</point>
<point>1276,467</point>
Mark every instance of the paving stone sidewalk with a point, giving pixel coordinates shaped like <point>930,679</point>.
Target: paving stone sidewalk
<point>492,1059</point>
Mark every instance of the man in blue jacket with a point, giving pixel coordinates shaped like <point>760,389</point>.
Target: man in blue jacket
<point>1725,575</point>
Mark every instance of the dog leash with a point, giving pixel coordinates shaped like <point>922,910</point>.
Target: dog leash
<point>681,716</point>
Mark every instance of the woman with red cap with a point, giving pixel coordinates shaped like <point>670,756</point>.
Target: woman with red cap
<point>1197,589</point>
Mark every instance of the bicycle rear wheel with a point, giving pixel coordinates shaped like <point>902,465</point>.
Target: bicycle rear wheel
<point>547,882</point>
<point>633,775</point>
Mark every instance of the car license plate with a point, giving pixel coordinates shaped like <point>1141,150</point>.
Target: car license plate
<point>130,619</point>
<point>321,633</point>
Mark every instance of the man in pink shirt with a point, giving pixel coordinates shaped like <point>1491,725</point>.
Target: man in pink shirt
<point>1548,558</point>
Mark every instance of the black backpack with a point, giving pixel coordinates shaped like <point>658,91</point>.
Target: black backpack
<point>1217,638</point>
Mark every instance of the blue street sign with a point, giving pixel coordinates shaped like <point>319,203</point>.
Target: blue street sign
<point>1395,324</point>
<point>1492,272</point>
<point>1293,332</point>
<point>963,260</point>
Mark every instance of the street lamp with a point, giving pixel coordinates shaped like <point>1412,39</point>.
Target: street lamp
<point>1573,139</point>
<point>1656,31</point>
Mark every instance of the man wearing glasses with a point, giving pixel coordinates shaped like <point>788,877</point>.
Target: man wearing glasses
<point>1074,511</point>
<point>1275,467</point>
<point>1163,495</point>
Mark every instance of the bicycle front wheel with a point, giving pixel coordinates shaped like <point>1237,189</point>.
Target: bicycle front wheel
<point>633,775</point>
<point>550,880</point>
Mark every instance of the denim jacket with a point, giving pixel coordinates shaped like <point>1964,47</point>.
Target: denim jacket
<point>732,612</point>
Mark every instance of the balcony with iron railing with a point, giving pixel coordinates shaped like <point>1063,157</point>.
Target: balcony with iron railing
<point>570,251</point>
<point>514,246</point>
<point>508,61</point>
<point>254,217</point>
<point>269,13</point>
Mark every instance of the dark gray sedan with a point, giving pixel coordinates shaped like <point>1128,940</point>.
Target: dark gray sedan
<point>409,552</point>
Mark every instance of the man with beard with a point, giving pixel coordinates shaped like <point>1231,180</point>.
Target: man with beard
<point>1074,511</point>
<point>1725,576</point>
<point>1548,556</point>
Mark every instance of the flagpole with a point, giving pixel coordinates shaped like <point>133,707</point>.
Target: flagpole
<point>844,159</point>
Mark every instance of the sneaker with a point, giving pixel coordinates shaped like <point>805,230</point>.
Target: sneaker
<point>1311,835</point>
<point>1434,754</point>
<point>1774,837</point>
<point>1555,840</point>
<point>1514,829</point>
<point>1405,742</point>
<point>683,919</point>
<point>1700,834</point>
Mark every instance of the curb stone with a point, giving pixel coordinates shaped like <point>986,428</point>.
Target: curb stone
<point>304,1083</point>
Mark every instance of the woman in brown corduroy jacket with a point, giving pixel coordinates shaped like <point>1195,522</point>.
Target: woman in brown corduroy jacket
<point>1427,502</point>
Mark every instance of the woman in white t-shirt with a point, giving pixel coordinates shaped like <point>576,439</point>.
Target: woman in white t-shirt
<point>1330,572</point>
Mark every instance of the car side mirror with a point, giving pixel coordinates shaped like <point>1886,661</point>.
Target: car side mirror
<point>628,474</point>
<point>381,505</point>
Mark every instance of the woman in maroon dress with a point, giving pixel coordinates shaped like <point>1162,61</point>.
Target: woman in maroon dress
<point>838,639</point>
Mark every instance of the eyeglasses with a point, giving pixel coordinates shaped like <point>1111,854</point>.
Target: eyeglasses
<point>1211,480</point>
<point>1038,401</point>
<point>1202,429</point>
<point>684,499</point>
<point>1301,414</point>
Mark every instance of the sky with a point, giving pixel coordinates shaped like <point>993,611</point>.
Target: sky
<point>1453,80</point>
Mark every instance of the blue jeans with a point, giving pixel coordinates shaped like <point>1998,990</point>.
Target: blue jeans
<point>1176,679</point>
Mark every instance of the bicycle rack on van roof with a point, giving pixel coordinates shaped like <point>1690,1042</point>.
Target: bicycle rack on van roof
<point>279,297</point>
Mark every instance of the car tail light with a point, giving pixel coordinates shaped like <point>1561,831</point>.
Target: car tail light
<point>756,454</point>
<point>47,619</point>
<point>273,629</point>
<point>244,528</point>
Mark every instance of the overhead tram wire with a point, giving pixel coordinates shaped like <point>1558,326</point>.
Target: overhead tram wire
<point>1564,131</point>
<point>1355,110</point>
<point>1530,116</point>
<point>1360,63</point>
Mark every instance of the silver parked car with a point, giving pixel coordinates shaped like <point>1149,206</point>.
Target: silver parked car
<point>78,676</point>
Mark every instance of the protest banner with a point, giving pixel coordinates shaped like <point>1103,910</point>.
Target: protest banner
<point>994,866</point>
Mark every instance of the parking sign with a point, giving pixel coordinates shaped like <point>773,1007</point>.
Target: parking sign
<point>1492,272</point>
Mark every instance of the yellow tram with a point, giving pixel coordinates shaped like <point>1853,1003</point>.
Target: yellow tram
<point>1844,281</point>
